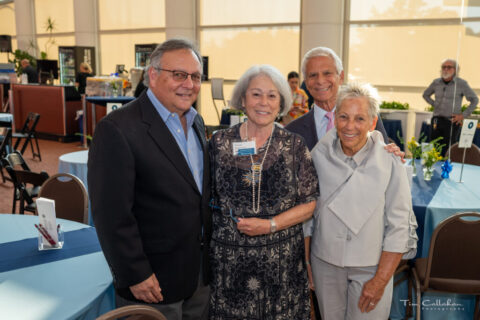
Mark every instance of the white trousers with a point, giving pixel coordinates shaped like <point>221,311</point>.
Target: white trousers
<point>339,289</point>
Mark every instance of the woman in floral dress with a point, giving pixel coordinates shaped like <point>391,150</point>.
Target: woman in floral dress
<point>264,186</point>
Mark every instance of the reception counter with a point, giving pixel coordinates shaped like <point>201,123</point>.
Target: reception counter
<point>57,106</point>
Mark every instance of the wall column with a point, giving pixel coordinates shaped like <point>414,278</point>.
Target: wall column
<point>322,25</point>
<point>180,20</point>
<point>25,25</point>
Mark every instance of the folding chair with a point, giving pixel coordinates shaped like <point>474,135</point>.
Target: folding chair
<point>21,175</point>
<point>28,133</point>
<point>217,93</point>
<point>137,312</point>
<point>453,262</point>
<point>71,199</point>
<point>5,148</point>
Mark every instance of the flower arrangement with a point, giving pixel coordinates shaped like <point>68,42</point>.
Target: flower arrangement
<point>414,147</point>
<point>430,155</point>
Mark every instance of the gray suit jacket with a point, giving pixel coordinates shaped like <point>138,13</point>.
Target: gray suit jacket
<point>363,211</point>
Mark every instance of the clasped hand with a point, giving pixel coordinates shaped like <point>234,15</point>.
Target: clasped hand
<point>253,226</point>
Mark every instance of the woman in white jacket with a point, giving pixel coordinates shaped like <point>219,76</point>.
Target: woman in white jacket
<point>364,222</point>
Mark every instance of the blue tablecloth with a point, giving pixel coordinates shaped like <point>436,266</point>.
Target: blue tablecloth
<point>76,163</point>
<point>78,287</point>
<point>394,130</point>
<point>425,131</point>
<point>434,201</point>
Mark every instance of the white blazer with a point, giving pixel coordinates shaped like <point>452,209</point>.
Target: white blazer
<point>363,211</point>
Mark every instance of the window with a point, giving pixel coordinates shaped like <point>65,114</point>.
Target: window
<point>238,34</point>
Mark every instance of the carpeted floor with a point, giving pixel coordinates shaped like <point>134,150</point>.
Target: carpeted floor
<point>50,151</point>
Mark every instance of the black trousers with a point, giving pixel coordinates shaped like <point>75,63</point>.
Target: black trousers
<point>440,127</point>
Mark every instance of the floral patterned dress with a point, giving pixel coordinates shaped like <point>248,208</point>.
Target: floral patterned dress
<point>259,277</point>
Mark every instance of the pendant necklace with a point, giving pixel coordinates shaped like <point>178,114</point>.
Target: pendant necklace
<point>257,168</point>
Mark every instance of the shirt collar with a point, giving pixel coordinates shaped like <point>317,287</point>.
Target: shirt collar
<point>357,157</point>
<point>166,114</point>
<point>321,112</point>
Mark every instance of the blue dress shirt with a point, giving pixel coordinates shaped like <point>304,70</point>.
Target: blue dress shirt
<point>191,146</point>
<point>321,121</point>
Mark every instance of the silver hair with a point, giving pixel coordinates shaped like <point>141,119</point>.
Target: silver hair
<point>166,46</point>
<point>321,52</point>
<point>455,64</point>
<point>354,90</point>
<point>277,78</point>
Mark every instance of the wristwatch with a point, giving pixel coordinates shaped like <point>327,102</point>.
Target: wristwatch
<point>273,226</point>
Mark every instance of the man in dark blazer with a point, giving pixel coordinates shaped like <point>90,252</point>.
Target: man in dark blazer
<point>323,74</point>
<point>149,185</point>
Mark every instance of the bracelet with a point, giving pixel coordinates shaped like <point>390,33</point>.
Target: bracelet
<point>307,262</point>
<point>273,226</point>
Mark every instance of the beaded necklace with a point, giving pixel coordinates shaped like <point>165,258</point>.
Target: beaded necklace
<point>257,168</point>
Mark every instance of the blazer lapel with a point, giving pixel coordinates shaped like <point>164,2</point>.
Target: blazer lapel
<point>311,130</point>
<point>162,136</point>
<point>199,128</point>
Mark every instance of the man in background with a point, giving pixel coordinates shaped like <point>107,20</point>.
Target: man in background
<point>32,74</point>
<point>149,185</point>
<point>449,91</point>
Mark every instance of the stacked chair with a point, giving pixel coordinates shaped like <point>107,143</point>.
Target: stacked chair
<point>26,182</point>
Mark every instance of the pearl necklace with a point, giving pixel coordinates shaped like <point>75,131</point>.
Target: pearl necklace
<point>257,168</point>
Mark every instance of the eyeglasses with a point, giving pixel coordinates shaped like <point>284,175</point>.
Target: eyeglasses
<point>181,76</point>
<point>448,67</point>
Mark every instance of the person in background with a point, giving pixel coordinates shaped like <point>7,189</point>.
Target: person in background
<point>140,86</point>
<point>149,186</point>
<point>299,99</point>
<point>85,71</point>
<point>303,86</point>
<point>364,222</point>
<point>32,74</point>
<point>449,91</point>
<point>262,192</point>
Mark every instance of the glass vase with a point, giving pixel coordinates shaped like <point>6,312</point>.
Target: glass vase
<point>427,173</point>
<point>414,168</point>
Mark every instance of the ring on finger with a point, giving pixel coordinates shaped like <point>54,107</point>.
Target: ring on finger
<point>372,304</point>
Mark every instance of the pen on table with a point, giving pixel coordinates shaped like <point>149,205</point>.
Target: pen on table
<point>48,234</point>
<point>45,234</point>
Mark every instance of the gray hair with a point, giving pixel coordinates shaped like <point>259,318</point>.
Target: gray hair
<point>455,64</point>
<point>321,52</point>
<point>354,90</point>
<point>166,46</point>
<point>277,78</point>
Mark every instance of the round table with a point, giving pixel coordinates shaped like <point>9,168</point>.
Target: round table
<point>76,163</point>
<point>433,201</point>
<point>70,283</point>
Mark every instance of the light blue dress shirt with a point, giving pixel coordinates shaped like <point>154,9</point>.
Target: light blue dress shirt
<point>191,146</point>
<point>321,121</point>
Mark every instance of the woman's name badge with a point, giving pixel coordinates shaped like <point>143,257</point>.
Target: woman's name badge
<point>244,148</point>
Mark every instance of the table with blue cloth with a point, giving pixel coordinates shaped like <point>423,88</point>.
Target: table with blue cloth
<point>425,132</point>
<point>69,283</point>
<point>433,201</point>
<point>76,163</point>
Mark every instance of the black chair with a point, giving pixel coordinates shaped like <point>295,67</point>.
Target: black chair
<point>28,133</point>
<point>21,176</point>
<point>453,262</point>
<point>5,146</point>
